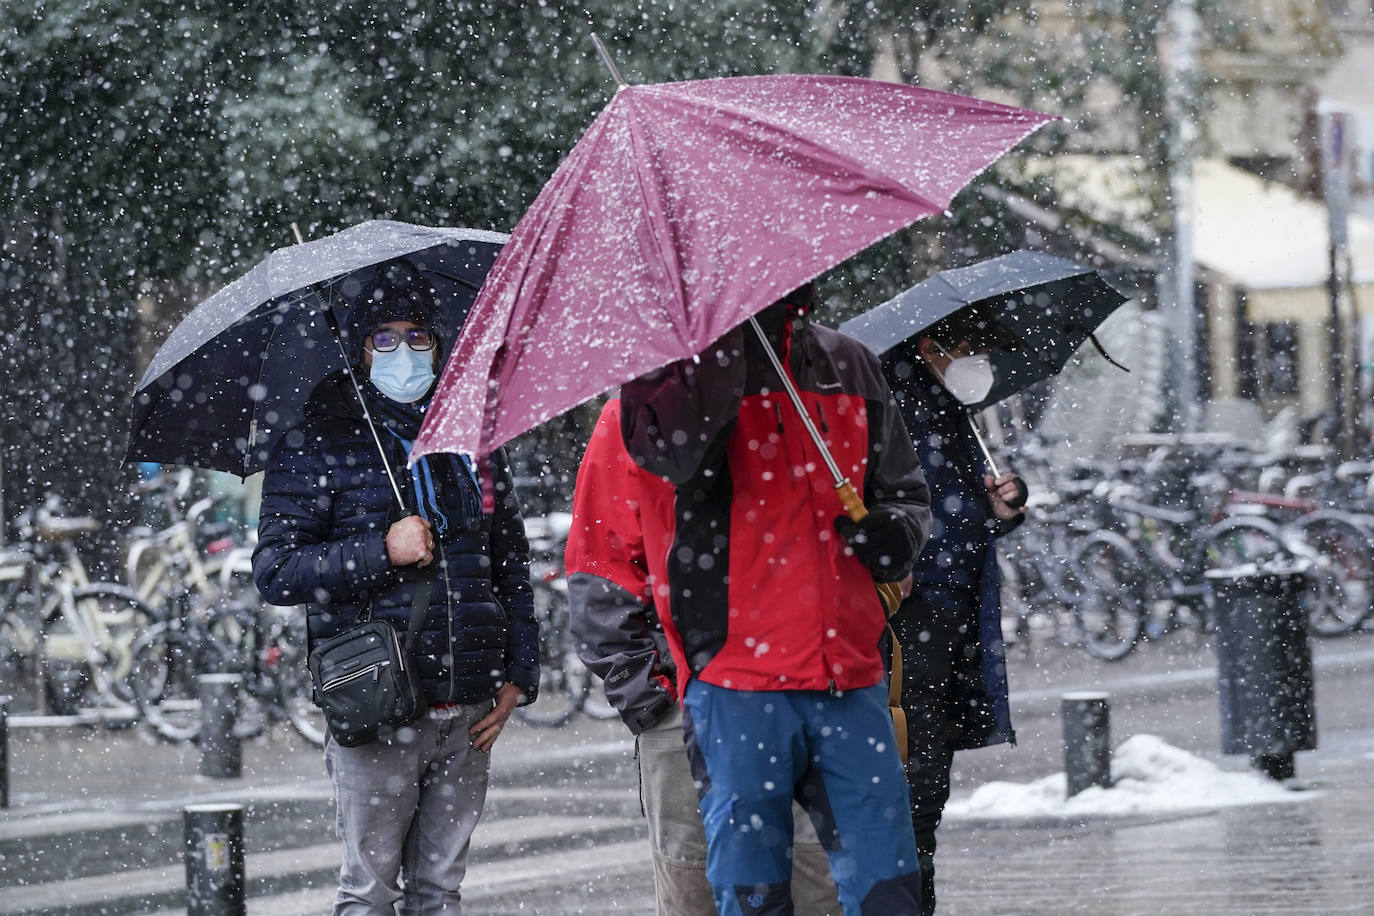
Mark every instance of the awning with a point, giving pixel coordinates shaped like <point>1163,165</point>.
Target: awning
<point>1346,86</point>
<point>1260,236</point>
<point>1264,236</point>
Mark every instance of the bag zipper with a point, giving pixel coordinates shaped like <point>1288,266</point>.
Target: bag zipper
<point>373,669</point>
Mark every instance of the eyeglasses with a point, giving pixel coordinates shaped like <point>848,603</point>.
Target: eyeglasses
<point>419,339</point>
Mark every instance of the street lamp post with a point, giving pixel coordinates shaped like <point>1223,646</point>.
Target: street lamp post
<point>1174,286</point>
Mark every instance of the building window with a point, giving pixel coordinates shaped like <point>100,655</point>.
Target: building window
<point>1247,374</point>
<point>1281,358</point>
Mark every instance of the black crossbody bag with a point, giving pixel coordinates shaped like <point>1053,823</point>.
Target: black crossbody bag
<point>365,678</point>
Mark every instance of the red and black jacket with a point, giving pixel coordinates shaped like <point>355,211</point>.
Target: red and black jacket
<point>764,594</point>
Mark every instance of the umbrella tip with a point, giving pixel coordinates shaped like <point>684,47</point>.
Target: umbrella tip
<point>610,64</point>
<point>296,231</point>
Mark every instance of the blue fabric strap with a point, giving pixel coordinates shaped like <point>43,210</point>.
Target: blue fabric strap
<point>422,478</point>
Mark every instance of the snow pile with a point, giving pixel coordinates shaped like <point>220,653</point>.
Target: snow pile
<point>1149,777</point>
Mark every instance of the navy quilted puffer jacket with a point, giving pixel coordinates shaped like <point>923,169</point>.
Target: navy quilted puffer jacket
<point>326,508</point>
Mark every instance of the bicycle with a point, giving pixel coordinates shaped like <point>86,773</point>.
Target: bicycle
<point>167,661</point>
<point>162,565</point>
<point>1150,581</point>
<point>77,632</point>
<point>264,643</point>
<point>1039,584</point>
<point>566,685</point>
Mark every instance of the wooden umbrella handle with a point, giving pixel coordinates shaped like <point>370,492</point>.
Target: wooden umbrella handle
<point>849,498</point>
<point>854,507</point>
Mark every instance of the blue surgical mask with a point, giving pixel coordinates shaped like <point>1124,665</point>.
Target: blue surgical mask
<point>403,374</point>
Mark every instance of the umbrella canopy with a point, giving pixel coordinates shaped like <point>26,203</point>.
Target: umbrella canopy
<point>1045,306</point>
<point>685,209</point>
<point>236,373</point>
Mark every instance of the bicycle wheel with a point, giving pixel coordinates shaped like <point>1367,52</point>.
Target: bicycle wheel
<point>1110,613</point>
<point>1242,541</point>
<point>562,687</point>
<point>298,700</point>
<point>1343,556</point>
<point>119,616</point>
<point>166,662</point>
<point>1015,608</point>
<point>238,637</point>
<point>83,663</point>
<point>594,702</point>
<point>295,689</point>
<point>18,647</point>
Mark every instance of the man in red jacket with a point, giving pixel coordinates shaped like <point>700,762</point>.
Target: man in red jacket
<point>612,566</point>
<point>773,612</point>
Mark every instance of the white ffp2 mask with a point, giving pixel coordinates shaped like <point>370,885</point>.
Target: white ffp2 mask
<point>969,378</point>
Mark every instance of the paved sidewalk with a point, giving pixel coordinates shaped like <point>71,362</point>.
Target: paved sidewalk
<point>563,834</point>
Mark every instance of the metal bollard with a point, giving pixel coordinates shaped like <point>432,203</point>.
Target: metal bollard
<point>1087,741</point>
<point>4,752</point>
<point>221,754</point>
<point>214,860</point>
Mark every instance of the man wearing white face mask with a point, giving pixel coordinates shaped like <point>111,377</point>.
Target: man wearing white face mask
<point>954,687</point>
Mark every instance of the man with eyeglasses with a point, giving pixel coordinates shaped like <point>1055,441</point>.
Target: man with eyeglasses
<point>330,533</point>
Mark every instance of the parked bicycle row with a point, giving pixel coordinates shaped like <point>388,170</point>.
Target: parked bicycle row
<point>118,652</point>
<point>129,651</point>
<point>1116,556</point>
<point>1118,553</point>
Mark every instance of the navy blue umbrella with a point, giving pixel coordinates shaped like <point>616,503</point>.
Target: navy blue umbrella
<point>236,373</point>
<point>1041,307</point>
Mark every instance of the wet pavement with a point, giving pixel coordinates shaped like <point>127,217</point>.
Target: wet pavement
<point>94,818</point>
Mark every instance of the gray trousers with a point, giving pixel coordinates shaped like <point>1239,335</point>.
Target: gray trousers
<point>407,807</point>
<point>678,839</point>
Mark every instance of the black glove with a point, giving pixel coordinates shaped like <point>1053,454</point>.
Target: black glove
<point>883,541</point>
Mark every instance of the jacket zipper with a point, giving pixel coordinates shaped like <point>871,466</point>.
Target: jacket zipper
<point>400,651</point>
<point>448,613</point>
<point>803,442</point>
<point>374,669</point>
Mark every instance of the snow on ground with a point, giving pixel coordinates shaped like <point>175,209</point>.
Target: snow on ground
<point>1149,777</point>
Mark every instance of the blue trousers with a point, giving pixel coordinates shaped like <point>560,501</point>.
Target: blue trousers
<point>754,752</point>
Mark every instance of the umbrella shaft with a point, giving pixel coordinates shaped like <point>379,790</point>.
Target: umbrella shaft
<point>362,402</point>
<point>992,465</point>
<point>797,402</point>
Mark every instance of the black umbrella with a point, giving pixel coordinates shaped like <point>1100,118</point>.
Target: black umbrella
<point>235,375</point>
<point>1040,308</point>
<point>1045,308</point>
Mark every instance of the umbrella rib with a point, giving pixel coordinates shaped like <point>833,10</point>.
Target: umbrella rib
<point>253,414</point>
<point>856,166</point>
<point>262,367</point>
<point>639,140</point>
<point>1028,127</point>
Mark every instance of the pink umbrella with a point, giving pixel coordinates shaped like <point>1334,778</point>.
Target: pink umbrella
<point>685,209</point>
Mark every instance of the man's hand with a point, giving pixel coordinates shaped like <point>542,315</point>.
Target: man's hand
<point>488,728</point>
<point>1001,490</point>
<point>410,541</point>
<point>882,541</point>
